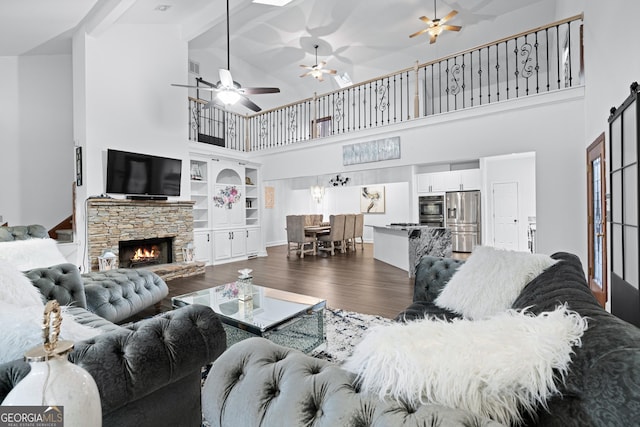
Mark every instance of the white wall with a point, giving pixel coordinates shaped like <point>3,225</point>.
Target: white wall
<point>9,135</point>
<point>123,78</point>
<point>508,127</point>
<point>46,139</point>
<point>37,144</point>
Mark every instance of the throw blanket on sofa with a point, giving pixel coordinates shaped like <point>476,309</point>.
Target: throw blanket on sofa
<point>494,367</point>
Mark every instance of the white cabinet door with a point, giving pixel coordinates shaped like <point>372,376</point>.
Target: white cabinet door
<point>228,211</point>
<point>222,245</point>
<point>253,241</point>
<point>445,181</point>
<point>203,246</point>
<point>470,179</point>
<point>424,183</point>
<point>238,243</point>
<point>230,244</point>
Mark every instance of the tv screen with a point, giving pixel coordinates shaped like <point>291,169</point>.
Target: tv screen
<point>142,174</point>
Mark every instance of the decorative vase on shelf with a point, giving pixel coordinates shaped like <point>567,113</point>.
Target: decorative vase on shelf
<point>66,393</point>
<point>245,284</point>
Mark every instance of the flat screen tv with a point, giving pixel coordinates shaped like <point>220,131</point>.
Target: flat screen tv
<point>142,176</point>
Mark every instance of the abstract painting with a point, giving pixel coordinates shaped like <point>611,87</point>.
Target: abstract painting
<point>372,199</point>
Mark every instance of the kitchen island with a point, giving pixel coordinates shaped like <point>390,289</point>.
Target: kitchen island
<point>402,245</point>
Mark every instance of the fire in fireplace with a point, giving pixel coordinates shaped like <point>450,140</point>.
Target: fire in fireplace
<point>140,253</point>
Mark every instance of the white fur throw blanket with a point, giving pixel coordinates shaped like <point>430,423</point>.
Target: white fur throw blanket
<point>31,253</point>
<point>495,367</point>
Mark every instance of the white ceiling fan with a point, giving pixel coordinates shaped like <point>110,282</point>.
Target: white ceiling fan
<point>436,26</point>
<point>318,69</point>
<point>229,91</point>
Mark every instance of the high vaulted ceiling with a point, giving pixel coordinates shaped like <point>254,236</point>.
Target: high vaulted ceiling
<point>365,38</point>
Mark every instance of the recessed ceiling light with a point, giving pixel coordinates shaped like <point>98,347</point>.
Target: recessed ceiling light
<point>273,2</point>
<point>162,7</point>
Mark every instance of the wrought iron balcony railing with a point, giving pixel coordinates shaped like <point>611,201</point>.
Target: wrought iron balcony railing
<point>541,60</point>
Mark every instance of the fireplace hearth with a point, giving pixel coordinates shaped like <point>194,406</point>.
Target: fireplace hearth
<point>145,252</point>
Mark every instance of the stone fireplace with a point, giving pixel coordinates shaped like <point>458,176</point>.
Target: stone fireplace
<point>165,224</point>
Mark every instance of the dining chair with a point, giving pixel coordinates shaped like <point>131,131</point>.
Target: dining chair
<point>297,238</point>
<point>359,230</point>
<point>349,231</point>
<point>336,235</point>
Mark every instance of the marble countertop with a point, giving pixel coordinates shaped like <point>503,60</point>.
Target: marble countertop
<point>404,227</point>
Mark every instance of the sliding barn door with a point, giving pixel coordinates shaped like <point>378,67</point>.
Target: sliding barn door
<point>623,178</point>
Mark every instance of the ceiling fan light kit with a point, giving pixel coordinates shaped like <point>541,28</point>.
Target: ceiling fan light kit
<point>316,71</point>
<point>436,26</point>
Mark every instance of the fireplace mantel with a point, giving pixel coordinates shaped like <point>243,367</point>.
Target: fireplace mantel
<point>112,220</point>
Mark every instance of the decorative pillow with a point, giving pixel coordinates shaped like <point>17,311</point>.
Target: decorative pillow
<point>496,367</point>
<point>31,253</point>
<point>22,329</point>
<point>490,281</point>
<point>16,288</point>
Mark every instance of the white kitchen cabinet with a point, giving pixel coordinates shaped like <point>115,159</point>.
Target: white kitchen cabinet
<point>445,181</point>
<point>441,182</point>
<point>229,245</point>
<point>470,179</point>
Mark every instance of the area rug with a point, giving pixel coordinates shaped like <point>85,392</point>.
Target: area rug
<point>343,330</point>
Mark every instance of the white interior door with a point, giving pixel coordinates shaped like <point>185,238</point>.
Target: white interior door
<point>505,215</point>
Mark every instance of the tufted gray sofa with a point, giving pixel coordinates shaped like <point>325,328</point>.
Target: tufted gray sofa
<point>22,232</point>
<point>115,295</point>
<point>288,388</point>
<point>148,373</point>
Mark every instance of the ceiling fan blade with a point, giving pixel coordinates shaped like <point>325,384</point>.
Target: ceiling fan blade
<point>306,67</point>
<point>258,90</point>
<point>451,27</point>
<point>328,71</point>
<point>211,89</point>
<point>432,39</point>
<point>249,104</point>
<point>425,20</point>
<point>417,33</point>
<point>225,77</point>
<point>211,104</point>
<point>321,65</point>
<point>320,78</point>
<point>449,16</point>
<point>308,73</point>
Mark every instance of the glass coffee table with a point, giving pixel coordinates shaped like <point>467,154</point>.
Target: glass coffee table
<point>286,318</point>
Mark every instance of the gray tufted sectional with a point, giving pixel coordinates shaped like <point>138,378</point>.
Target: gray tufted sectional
<point>114,295</point>
<point>258,383</point>
<point>148,373</point>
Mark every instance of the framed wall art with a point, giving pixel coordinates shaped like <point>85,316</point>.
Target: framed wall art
<point>372,199</point>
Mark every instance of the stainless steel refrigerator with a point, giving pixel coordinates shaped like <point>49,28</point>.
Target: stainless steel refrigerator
<point>463,218</point>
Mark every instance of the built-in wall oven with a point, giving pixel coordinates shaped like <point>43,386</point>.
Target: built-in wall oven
<point>432,210</point>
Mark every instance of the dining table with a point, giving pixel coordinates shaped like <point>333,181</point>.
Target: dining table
<point>316,230</point>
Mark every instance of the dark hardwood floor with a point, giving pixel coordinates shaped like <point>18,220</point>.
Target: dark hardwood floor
<point>352,281</point>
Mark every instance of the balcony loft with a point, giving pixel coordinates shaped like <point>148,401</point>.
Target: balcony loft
<point>543,60</point>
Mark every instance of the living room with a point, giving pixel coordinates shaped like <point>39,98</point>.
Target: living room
<point>112,91</point>
<point>148,72</point>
